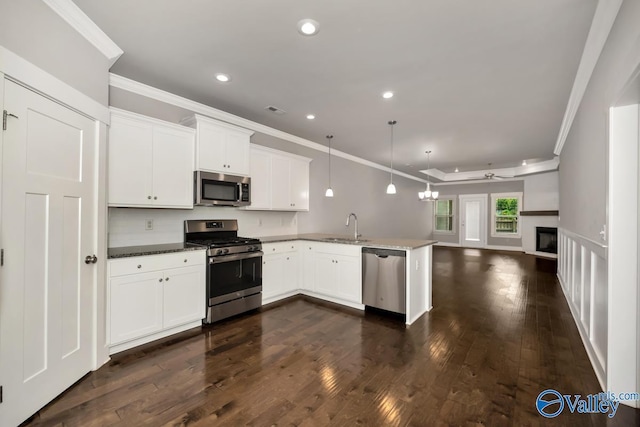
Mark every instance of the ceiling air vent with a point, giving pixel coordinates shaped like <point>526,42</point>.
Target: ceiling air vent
<point>274,110</point>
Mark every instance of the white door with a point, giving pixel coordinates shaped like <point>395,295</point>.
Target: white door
<point>473,221</point>
<point>48,228</point>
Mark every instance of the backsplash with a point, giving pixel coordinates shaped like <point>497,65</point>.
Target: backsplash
<point>127,225</point>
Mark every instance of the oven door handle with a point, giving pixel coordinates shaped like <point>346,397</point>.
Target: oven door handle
<point>234,257</point>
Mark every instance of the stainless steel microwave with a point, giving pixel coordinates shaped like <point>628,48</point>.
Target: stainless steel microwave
<point>220,189</point>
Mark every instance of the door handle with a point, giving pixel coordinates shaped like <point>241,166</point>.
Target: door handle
<point>90,259</point>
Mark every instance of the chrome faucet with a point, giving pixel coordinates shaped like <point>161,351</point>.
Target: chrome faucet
<point>355,233</point>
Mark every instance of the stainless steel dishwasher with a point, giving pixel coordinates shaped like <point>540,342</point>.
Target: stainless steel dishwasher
<point>383,279</point>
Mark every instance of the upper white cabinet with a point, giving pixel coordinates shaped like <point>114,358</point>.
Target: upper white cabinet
<point>150,162</point>
<point>220,147</point>
<point>279,180</point>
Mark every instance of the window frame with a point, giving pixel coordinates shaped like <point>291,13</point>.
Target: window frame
<point>494,200</point>
<point>454,215</point>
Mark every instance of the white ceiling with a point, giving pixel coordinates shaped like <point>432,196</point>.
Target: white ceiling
<point>476,82</point>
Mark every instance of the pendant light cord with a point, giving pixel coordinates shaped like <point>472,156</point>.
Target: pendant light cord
<point>391,123</point>
<point>329,137</point>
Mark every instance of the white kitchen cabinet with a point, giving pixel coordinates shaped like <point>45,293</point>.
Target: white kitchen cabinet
<point>150,162</point>
<point>338,272</point>
<point>260,180</point>
<point>280,271</point>
<point>279,180</point>
<point>153,296</point>
<point>307,260</point>
<point>220,147</point>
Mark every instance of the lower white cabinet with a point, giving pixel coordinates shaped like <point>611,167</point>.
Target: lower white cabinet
<point>338,272</point>
<point>324,270</point>
<point>280,270</point>
<point>150,297</point>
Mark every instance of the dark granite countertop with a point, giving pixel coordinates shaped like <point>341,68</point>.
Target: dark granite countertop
<point>131,251</point>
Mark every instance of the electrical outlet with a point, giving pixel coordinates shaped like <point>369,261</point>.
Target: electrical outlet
<point>259,222</point>
<point>148,224</point>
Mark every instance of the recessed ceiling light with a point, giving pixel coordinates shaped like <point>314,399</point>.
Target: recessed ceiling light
<point>387,94</point>
<point>221,77</point>
<point>524,163</point>
<point>310,116</point>
<point>457,170</point>
<point>308,27</point>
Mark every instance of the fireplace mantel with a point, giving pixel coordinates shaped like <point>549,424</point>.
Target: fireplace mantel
<point>539,213</point>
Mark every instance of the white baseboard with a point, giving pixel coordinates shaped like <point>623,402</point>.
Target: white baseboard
<point>504,248</point>
<point>447,244</point>
<point>542,254</point>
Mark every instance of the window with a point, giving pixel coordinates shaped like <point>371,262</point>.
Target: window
<point>505,214</point>
<point>444,215</point>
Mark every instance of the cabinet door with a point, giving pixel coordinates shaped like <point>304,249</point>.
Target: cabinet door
<point>325,274</point>
<point>291,272</point>
<point>173,154</point>
<point>299,184</point>
<point>184,295</point>
<point>280,190</point>
<point>135,306</point>
<point>237,153</point>
<point>273,278</point>
<point>260,180</point>
<point>211,148</point>
<point>307,276</point>
<point>130,154</point>
<point>349,278</point>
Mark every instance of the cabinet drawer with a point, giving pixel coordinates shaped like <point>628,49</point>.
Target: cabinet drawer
<point>338,249</point>
<point>280,247</point>
<point>144,264</point>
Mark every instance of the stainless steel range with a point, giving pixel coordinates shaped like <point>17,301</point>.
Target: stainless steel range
<point>234,273</point>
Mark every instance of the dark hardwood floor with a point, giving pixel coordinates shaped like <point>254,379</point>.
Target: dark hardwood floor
<point>499,334</point>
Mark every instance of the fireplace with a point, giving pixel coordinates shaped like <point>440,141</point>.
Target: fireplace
<point>547,239</point>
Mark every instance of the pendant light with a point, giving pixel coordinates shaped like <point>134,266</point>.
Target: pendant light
<point>391,189</point>
<point>329,192</point>
<point>428,195</point>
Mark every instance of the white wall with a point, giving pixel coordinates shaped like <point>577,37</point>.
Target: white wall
<point>32,30</point>
<point>541,192</point>
<point>127,226</point>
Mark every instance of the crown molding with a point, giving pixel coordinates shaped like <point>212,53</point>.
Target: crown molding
<point>603,20</point>
<point>142,89</point>
<point>479,175</point>
<point>80,22</point>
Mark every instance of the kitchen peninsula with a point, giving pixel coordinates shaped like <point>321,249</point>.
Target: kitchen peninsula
<point>329,267</point>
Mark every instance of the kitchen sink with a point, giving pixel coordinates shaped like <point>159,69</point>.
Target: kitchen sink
<point>343,240</point>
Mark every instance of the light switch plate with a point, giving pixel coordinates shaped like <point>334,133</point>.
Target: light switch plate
<point>148,224</point>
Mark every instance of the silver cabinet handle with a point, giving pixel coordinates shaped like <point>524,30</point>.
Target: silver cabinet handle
<point>166,280</point>
<point>139,265</point>
<point>185,260</point>
<point>149,197</point>
<point>155,198</point>
<point>160,280</point>
<point>91,259</point>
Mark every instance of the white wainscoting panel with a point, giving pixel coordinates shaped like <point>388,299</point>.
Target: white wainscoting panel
<point>582,271</point>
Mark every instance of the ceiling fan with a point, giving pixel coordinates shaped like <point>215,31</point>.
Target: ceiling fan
<point>491,175</point>
<point>487,174</point>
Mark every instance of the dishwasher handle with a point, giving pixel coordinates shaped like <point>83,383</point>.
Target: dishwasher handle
<point>381,256</point>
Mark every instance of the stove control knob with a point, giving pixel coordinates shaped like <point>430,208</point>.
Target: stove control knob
<point>226,251</point>
<point>218,251</point>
